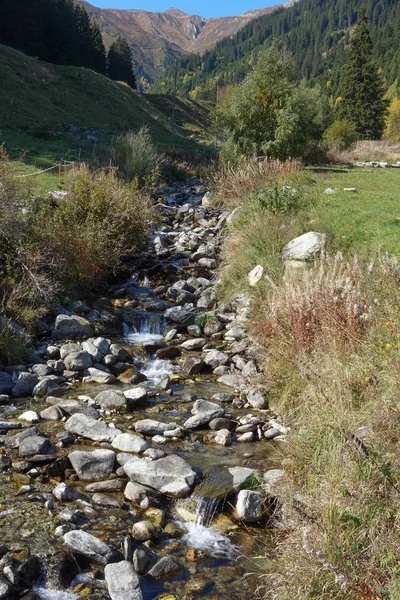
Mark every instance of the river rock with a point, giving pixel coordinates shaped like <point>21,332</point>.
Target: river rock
<point>181,315</point>
<point>271,479</point>
<point>89,347</point>
<point>69,348</point>
<point>94,464</point>
<point>150,427</point>
<point>250,506</point>
<point>165,567</point>
<point>100,376</point>
<point>87,545</point>
<point>15,440</point>
<point>53,413</point>
<point>170,475</point>
<point>35,444</point>
<point>239,476</point>
<point>122,581</point>
<point>141,560</point>
<point>168,353</point>
<point>127,442</point>
<point>304,247</point>
<point>233,216</point>
<point>25,385</point>
<point>78,361</point>
<point>257,398</point>
<point>111,399</point>
<point>72,327</point>
<point>63,493</point>
<point>195,344</point>
<point>30,416</point>
<point>136,395</point>
<point>120,352</point>
<point>215,358</point>
<point>144,531</point>
<point>91,429</point>
<point>42,370</point>
<point>222,437</point>
<point>193,365</point>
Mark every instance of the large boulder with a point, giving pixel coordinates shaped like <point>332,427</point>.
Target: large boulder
<point>72,327</point>
<point>91,429</point>
<point>170,475</point>
<point>92,464</point>
<point>122,581</point>
<point>304,247</point>
<point>78,361</point>
<point>87,545</point>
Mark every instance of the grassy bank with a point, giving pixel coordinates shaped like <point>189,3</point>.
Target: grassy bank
<point>39,102</point>
<point>330,336</point>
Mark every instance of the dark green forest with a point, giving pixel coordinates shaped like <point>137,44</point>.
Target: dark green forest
<point>56,31</point>
<point>317,32</point>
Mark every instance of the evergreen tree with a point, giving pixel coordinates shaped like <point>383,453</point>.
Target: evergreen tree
<point>119,62</point>
<point>363,102</point>
<point>99,59</point>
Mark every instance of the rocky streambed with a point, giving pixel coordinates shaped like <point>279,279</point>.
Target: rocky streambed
<point>137,449</point>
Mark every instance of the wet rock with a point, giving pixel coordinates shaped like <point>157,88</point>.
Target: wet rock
<point>63,493</point>
<point>220,423</point>
<point>168,353</point>
<point>141,560</point>
<point>25,385</point>
<point>250,506</point>
<point>61,568</point>
<point>246,437</point>
<point>150,427</point>
<point>165,567</point>
<point>170,475</point>
<point>5,589</point>
<point>111,485</point>
<point>7,425</point>
<point>144,531</point>
<point>120,352</point>
<point>103,500</point>
<point>95,464</point>
<point>122,581</point>
<point>91,429</point>
<point>32,445</point>
<point>127,442</point>
<point>71,327</point>
<point>84,544</point>
<point>78,361</point>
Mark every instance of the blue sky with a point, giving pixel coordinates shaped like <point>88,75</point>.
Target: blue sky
<point>205,8</point>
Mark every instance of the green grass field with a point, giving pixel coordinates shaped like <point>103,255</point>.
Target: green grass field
<point>361,221</point>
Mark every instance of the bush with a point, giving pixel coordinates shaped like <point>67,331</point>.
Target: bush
<point>279,198</point>
<point>340,135</point>
<point>136,156</point>
<point>392,130</point>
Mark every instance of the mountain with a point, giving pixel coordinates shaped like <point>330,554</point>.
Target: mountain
<point>317,32</point>
<point>158,38</point>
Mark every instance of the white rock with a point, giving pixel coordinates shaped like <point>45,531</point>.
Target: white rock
<point>329,191</point>
<point>30,416</point>
<point>255,275</point>
<point>303,247</point>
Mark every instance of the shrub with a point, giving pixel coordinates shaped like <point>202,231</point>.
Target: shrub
<point>392,130</point>
<point>136,156</point>
<point>340,135</point>
<point>279,198</point>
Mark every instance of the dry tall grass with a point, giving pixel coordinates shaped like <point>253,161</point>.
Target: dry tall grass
<point>366,150</point>
<point>231,182</point>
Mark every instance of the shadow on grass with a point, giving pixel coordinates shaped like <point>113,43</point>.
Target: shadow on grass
<point>333,169</point>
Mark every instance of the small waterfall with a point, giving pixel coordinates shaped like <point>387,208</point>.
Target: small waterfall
<point>148,327</point>
<point>156,369</point>
<point>206,509</point>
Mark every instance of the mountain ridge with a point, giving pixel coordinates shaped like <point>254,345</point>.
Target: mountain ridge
<point>157,39</point>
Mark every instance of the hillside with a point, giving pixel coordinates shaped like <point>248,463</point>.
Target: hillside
<point>317,32</point>
<point>158,38</point>
<point>40,101</point>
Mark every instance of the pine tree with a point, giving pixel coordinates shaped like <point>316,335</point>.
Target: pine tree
<point>119,62</point>
<point>363,102</point>
<point>99,59</point>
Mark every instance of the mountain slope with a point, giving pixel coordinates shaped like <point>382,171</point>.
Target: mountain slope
<point>38,98</point>
<point>157,39</point>
<point>317,32</point>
